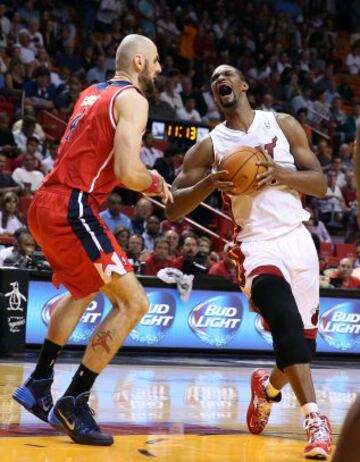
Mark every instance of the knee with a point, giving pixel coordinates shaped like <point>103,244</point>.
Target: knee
<point>138,306</point>
<point>275,301</point>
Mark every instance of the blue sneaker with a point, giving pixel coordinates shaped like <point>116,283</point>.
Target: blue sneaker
<point>74,416</point>
<point>35,396</point>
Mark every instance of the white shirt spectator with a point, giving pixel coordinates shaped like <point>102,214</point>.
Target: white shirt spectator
<point>174,100</point>
<point>5,253</point>
<point>334,203</point>
<point>12,225</point>
<point>22,176</point>
<point>353,63</point>
<point>47,164</point>
<point>149,155</point>
<point>109,10</point>
<point>192,116</point>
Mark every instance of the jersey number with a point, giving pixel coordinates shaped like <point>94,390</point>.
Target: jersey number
<point>74,124</point>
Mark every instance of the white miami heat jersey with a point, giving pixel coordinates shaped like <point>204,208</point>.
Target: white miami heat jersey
<point>273,210</point>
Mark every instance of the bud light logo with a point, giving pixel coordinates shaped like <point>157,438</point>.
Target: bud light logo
<point>217,320</point>
<point>340,326</point>
<point>265,334</point>
<point>156,323</point>
<point>91,318</point>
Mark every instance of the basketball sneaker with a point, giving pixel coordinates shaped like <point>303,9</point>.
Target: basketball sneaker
<point>319,435</point>
<point>74,416</point>
<point>35,396</point>
<point>259,409</point>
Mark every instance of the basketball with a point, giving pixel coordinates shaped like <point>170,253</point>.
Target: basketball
<point>243,169</point>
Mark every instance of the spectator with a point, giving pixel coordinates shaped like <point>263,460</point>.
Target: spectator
<point>344,90</point>
<point>143,210</point>
<point>322,107</point>
<point>159,109</point>
<point>353,59</point>
<point>108,11</point>
<point>170,96</point>
<point>32,148</point>
<point>349,189</point>
<point>7,142</point>
<point>159,258</point>
<point>5,23</point>
<point>187,261</point>
<point>21,255</point>
<point>7,184</point>
<point>267,103</point>
<point>27,55</point>
<point>173,240</point>
<point>339,120</point>
<point>357,261</point>
<point>332,207</point>
<point>122,235</point>
<point>112,216</point>
<point>345,154</point>
<point>317,227</point>
<point>180,226</point>
<point>47,162</point>
<point>69,58</point>
<point>97,73</point>
<point>151,232</point>
<point>65,101</point>
<point>302,117</point>
<point>303,100</point>
<point>27,177</point>
<point>148,152</point>
<point>340,176</point>
<point>167,164</point>
<point>39,92</point>
<point>224,268</point>
<point>29,114</point>
<point>136,253</point>
<point>10,217</point>
<point>147,10</point>
<point>324,155</point>
<point>188,113</point>
<point>342,276</point>
<point>15,77</point>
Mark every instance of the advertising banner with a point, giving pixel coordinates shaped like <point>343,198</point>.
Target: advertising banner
<point>210,319</point>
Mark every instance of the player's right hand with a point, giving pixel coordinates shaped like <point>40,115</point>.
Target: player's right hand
<point>216,179</point>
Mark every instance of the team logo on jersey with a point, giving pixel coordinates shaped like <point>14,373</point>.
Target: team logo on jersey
<point>340,326</point>
<point>89,320</point>
<point>217,320</point>
<point>262,331</point>
<point>156,323</point>
<point>90,100</point>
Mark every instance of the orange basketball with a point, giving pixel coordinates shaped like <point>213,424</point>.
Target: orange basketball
<point>242,168</point>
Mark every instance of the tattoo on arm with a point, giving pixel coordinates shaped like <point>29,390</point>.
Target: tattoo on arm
<point>101,340</point>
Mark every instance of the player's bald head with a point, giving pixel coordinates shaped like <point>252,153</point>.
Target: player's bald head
<point>131,46</point>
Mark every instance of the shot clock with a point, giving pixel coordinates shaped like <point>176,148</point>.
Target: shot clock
<point>183,133</point>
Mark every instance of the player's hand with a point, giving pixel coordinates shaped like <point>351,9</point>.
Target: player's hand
<point>165,193</point>
<point>272,174</point>
<point>218,183</point>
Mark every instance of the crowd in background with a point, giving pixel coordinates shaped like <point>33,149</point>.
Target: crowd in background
<point>298,57</point>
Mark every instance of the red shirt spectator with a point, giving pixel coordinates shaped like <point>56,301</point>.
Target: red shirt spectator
<point>224,268</point>
<point>159,259</point>
<point>342,277</point>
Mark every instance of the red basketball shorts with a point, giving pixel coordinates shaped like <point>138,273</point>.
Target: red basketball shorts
<point>81,250</point>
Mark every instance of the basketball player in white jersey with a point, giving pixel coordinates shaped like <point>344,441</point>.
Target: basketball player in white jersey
<point>277,262</point>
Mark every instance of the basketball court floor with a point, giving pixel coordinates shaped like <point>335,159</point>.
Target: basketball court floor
<point>178,410</point>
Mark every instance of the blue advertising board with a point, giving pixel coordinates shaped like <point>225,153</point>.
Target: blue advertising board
<point>210,319</point>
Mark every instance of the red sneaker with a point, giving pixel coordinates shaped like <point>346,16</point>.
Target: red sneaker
<point>319,435</point>
<point>259,409</point>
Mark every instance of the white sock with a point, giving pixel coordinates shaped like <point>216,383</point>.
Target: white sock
<point>309,407</point>
<point>271,391</point>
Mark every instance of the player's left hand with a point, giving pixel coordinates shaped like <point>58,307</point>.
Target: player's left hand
<point>272,174</point>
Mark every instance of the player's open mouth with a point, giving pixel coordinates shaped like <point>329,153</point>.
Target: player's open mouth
<point>224,89</point>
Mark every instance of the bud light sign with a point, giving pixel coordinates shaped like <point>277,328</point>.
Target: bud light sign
<point>91,318</point>
<point>340,326</point>
<point>156,323</point>
<point>217,320</point>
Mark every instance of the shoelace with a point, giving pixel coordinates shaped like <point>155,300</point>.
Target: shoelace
<point>317,428</point>
<point>263,408</point>
<point>85,414</point>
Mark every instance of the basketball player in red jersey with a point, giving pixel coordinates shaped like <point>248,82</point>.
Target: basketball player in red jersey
<point>99,150</point>
<point>275,255</point>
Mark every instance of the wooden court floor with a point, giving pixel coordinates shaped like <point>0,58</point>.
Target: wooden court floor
<point>170,413</point>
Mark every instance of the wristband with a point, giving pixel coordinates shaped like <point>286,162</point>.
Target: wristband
<point>156,183</point>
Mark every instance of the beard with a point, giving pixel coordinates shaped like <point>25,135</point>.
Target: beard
<point>147,85</point>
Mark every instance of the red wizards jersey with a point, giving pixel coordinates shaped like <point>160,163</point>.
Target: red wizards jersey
<point>85,158</point>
